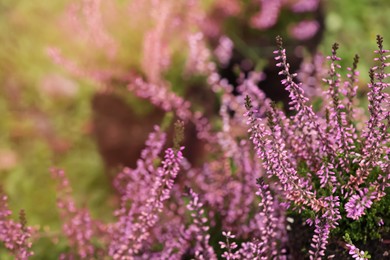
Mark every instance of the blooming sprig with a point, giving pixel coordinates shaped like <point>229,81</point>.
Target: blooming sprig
<point>78,225</point>
<point>337,118</point>
<point>320,239</point>
<point>358,203</point>
<point>350,88</point>
<point>272,150</point>
<point>133,229</point>
<point>268,14</point>
<point>355,252</point>
<point>298,99</point>
<point>268,229</point>
<point>224,50</point>
<point>305,29</point>
<point>14,235</point>
<point>376,129</point>
<point>305,121</point>
<point>323,226</point>
<point>229,246</point>
<point>199,228</point>
<point>199,55</point>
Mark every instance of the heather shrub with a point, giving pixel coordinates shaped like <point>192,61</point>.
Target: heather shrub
<point>321,168</point>
<point>332,172</point>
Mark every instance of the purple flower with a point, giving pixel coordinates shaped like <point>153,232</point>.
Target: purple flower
<point>229,246</point>
<point>355,252</point>
<point>268,14</point>
<point>78,226</point>
<point>376,129</point>
<point>357,204</point>
<point>199,228</point>
<point>15,236</point>
<point>134,224</point>
<point>304,30</point>
<point>320,239</point>
<point>305,6</point>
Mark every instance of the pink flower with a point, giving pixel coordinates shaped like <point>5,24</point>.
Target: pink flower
<point>304,30</point>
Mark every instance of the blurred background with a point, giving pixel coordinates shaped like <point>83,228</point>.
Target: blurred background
<point>64,67</point>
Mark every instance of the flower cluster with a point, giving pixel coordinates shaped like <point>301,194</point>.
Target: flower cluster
<point>15,235</point>
<point>78,225</point>
<point>319,163</point>
<point>266,14</point>
<point>355,252</point>
<point>133,225</point>
<point>333,159</point>
<point>229,246</point>
<point>200,228</point>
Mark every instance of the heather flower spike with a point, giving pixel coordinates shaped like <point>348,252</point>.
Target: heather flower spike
<point>78,225</point>
<point>15,236</point>
<point>268,230</point>
<point>353,251</point>
<point>350,89</point>
<point>320,239</point>
<point>376,130</point>
<point>134,226</point>
<point>229,246</point>
<point>199,228</point>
